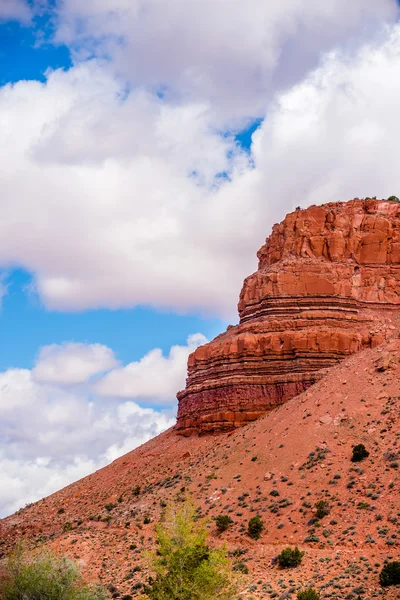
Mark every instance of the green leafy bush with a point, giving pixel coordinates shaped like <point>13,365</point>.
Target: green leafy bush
<point>393,199</point>
<point>184,566</point>
<point>309,594</point>
<point>255,527</point>
<point>290,558</point>
<point>223,522</point>
<point>390,574</point>
<point>359,453</point>
<point>46,577</point>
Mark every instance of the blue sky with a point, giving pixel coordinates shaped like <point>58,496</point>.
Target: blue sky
<point>146,151</point>
<point>27,53</point>
<point>26,325</point>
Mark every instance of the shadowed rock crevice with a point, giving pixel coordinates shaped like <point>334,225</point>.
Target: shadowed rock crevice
<point>327,286</point>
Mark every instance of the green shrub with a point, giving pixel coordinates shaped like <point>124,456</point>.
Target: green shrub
<point>223,522</point>
<point>46,577</point>
<point>255,527</point>
<point>359,453</point>
<point>390,574</point>
<point>290,558</point>
<point>184,566</point>
<point>309,594</point>
<point>393,199</point>
<point>323,509</point>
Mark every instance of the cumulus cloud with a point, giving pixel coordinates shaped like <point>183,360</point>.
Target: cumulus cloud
<point>173,217</point>
<point>52,433</point>
<point>154,376</point>
<point>119,195</point>
<point>128,221</point>
<point>72,363</point>
<point>335,134</point>
<point>233,54</point>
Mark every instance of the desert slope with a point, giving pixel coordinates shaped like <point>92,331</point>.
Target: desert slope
<point>278,467</point>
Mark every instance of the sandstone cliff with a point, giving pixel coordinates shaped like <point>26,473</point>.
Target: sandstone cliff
<point>327,286</point>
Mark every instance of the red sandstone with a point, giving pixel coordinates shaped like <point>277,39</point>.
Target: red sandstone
<point>327,286</point>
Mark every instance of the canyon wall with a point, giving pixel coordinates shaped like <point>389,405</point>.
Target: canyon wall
<point>327,285</point>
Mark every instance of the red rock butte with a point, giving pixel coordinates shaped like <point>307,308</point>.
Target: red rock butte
<point>327,286</point>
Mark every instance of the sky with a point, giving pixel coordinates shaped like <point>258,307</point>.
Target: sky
<point>147,147</point>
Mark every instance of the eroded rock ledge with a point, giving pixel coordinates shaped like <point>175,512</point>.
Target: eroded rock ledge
<point>327,286</point>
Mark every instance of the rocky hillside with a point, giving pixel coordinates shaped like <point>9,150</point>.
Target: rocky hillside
<point>278,467</point>
<point>327,286</point>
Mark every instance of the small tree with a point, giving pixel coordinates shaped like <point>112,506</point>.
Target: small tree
<point>390,574</point>
<point>309,594</point>
<point>45,576</point>
<point>290,558</point>
<point>185,567</point>
<point>359,453</point>
<point>255,527</point>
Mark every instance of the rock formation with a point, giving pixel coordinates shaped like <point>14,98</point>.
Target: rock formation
<point>327,286</point>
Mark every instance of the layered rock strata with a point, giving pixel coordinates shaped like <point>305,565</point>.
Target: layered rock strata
<point>327,286</point>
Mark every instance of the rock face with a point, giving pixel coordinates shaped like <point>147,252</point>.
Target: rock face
<point>327,286</point>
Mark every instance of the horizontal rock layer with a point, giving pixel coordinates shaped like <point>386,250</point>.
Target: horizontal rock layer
<point>327,286</point>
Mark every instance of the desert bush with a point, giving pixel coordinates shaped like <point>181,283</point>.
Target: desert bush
<point>359,453</point>
<point>323,509</point>
<point>241,567</point>
<point>45,577</point>
<point>290,558</point>
<point>393,199</point>
<point>223,522</point>
<point>309,594</point>
<point>390,574</point>
<point>255,527</point>
<point>184,565</point>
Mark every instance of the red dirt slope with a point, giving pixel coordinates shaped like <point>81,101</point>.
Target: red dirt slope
<point>277,467</point>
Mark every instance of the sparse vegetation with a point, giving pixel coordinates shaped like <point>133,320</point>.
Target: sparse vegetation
<point>393,199</point>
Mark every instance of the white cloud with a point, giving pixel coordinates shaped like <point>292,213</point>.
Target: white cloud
<point>72,363</point>
<point>154,376</point>
<point>335,135</point>
<point>126,220</point>
<point>51,435</point>
<point>113,196</point>
<point>231,53</point>
<point>14,9</point>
